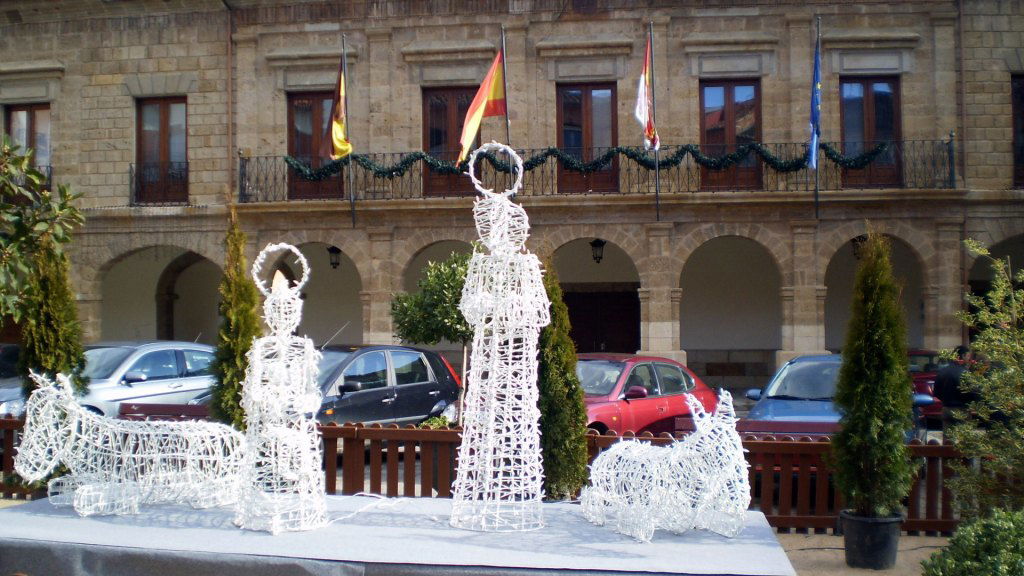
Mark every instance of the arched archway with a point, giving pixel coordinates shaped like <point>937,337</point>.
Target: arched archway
<point>604,306</point>
<point>839,280</point>
<point>731,312</point>
<point>161,292</point>
<point>436,252</point>
<point>979,276</point>
<point>332,310</point>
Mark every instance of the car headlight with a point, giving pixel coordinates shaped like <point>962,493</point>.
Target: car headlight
<point>450,412</point>
<point>13,407</point>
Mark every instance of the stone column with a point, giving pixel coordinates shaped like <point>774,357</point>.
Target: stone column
<point>377,321</point>
<point>379,85</point>
<point>944,295</point>
<point>803,306</point>
<point>90,315</point>
<point>659,302</point>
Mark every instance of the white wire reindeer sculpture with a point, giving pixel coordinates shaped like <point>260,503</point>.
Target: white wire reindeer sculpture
<point>117,465</point>
<point>498,486</point>
<point>282,482</point>
<point>699,482</point>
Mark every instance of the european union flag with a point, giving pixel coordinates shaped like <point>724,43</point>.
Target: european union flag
<point>816,105</point>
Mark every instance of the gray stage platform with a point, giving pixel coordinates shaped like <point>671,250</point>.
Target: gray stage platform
<point>400,537</point>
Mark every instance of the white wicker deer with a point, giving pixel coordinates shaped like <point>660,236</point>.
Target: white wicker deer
<point>699,482</point>
<point>117,465</point>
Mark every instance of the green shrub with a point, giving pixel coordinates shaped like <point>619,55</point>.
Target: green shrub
<point>563,415</point>
<point>239,326</point>
<point>990,546</point>
<point>873,466</point>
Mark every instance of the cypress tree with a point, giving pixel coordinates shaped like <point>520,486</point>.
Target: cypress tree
<point>51,338</point>
<point>874,469</point>
<point>563,416</point>
<point>239,326</point>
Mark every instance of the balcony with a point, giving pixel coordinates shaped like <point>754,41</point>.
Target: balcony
<point>917,164</point>
<point>159,183</point>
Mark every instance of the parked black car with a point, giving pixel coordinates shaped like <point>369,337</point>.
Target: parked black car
<point>384,384</point>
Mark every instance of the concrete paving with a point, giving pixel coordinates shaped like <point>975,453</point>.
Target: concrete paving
<point>822,554</point>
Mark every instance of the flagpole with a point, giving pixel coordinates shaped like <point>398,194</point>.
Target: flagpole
<point>654,118</point>
<point>504,81</point>
<point>817,51</point>
<point>348,125</point>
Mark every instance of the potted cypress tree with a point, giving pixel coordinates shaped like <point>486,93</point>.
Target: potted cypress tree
<point>873,465</point>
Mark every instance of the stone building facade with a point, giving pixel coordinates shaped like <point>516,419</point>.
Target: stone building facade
<point>733,273</point>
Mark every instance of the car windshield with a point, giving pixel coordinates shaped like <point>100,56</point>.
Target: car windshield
<point>805,381</point>
<point>598,377</point>
<point>329,360</point>
<point>925,363</point>
<point>100,362</point>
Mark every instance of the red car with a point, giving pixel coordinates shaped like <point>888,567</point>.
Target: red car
<point>637,393</point>
<point>924,365</point>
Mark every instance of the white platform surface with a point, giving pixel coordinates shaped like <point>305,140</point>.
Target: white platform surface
<point>412,531</point>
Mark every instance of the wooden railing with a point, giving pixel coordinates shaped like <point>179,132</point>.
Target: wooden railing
<point>790,478</point>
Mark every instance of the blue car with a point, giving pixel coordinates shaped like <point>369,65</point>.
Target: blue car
<point>802,391</point>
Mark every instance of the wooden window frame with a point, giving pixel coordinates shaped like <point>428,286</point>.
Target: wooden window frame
<point>31,109</point>
<point>874,175</point>
<point>166,188</point>
<point>446,184</point>
<point>735,177</point>
<point>606,180</point>
<point>331,188</point>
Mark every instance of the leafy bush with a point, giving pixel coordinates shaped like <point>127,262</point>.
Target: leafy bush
<point>993,545</point>
<point>563,415</point>
<point>239,326</point>
<point>991,429</point>
<point>873,466</point>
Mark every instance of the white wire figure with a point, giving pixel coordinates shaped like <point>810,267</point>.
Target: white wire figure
<point>498,484</point>
<point>282,481</point>
<point>114,466</point>
<point>699,482</point>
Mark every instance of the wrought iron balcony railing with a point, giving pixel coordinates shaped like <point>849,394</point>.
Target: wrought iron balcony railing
<point>159,183</point>
<point>917,164</point>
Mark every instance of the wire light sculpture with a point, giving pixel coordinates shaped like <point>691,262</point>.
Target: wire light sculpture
<point>115,466</point>
<point>282,485</point>
<point>498,483</point>
<point>699,482</point>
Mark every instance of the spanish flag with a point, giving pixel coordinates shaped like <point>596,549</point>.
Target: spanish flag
<point>339,146</point>
<point>489,101</point>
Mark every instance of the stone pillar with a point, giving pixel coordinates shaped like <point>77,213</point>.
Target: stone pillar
<point>377,322</point>
<point>90,315</point>
<point>800,29</point>
<point>944,294</point>
<point>945,65</point>
<point>803,305</point>
<point>378,88</point>
<point>659,302</point>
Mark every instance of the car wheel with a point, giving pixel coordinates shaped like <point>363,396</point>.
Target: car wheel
<point>601,429</point>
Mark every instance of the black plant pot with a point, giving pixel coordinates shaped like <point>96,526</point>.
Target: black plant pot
<point>871,542</point>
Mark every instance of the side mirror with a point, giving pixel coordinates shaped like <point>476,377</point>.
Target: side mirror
<point>753,394</point>
<point>923,400</point>
<point>351,386</point>
<point>636,392</point>
<point>133,376</point>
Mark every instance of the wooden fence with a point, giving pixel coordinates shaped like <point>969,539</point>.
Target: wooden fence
<point>791,481</point>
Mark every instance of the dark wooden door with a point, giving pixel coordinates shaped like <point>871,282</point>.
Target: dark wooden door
<point>869,113</point>
<point>604,321</point>
<point>730,118</point>
<point>587,130</point>
<point>309,117</point>
<point>444,110</point>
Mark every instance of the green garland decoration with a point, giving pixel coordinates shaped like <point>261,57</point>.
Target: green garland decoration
<point>570,162</point>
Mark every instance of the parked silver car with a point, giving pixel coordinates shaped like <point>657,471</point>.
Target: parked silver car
<point>153,372</point>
